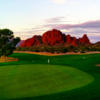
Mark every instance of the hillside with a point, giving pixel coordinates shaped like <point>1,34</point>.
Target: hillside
<point>53,38</point>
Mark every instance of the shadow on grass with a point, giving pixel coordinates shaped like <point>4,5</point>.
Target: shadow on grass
<point>75,94</point>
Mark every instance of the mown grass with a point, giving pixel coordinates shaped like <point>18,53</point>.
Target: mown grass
<point>20,81</point>
<point>85,63</point>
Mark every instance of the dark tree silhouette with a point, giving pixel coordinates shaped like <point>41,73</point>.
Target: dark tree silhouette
<point>7,42</point>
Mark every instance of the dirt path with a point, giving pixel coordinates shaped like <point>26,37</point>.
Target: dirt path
<point>98,65</point>
<point>7,59</point>
<point>55,54</point>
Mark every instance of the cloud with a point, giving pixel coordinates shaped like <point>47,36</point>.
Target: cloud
<point>89,25</point>
<point>56,20</point>
<point>92,26</point>
<point>59,1</point>
<point>53,20</point>
<point>94,38</point>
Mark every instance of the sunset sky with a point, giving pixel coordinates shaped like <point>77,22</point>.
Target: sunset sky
<point>32,17</point>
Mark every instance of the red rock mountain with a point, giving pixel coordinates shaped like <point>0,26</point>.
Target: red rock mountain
<point>34,41</point>
<point>84,40</point>
<point>55,37</point>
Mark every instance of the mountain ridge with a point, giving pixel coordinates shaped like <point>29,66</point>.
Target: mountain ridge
<point>55,37</point>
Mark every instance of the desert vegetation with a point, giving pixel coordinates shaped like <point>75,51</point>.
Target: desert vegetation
<point>60,49</point>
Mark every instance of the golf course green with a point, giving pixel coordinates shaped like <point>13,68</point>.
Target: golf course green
<point>72,77</point>
<point>36,80</point>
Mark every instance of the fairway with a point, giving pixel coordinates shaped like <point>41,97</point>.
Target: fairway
<point>20,81</point>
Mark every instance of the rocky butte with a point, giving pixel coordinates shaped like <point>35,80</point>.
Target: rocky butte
<point>55,37</point>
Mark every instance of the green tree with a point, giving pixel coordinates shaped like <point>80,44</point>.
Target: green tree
<point>7,42</point>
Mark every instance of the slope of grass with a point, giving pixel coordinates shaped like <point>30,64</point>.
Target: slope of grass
<point>85,63</point>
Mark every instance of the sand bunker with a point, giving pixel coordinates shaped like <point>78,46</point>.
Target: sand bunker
<point>98,65</point>
<point>7,59</point>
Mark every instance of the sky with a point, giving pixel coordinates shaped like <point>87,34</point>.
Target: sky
<point>33,17</point>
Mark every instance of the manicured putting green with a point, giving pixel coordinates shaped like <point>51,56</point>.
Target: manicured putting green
<point>35,80</point>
